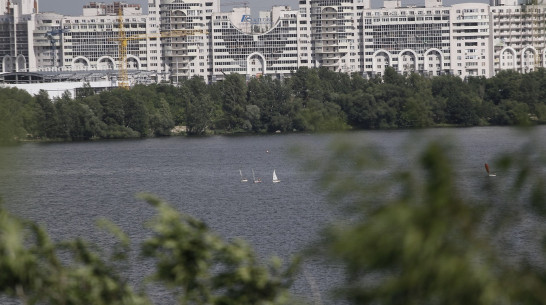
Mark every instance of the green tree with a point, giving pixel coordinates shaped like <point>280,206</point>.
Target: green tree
<point>76,120</point>
<point>275,104</point>
<point>253,117</point>
<point>306,84</point>
<point>200,115</point>
<point>417,111</point>
<point>200,109</point>
<point>510,112</point>
<point>161,121</point>
<point>48,119</point>
<point>389,99</point>
<point>85,91</point>
<point>137,116</point>
<point>112,105</point>
<point>318,116</point>
<point>392,77</point>
<point>260,93</point>
<point>19,115</point>
<point>174,98</point>
<point>359,108</point>
<point>461,103</point>
<point>504,85</point>
<point>11,123</point>
<point>99,127</point>
<point>234,92</point>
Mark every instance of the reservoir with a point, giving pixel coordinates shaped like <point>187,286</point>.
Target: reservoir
<point>67,187</point>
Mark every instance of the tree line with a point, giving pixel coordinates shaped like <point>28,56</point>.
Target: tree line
<point>310,100</point>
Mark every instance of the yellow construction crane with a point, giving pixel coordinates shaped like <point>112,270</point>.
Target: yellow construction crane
<point>123,40</point>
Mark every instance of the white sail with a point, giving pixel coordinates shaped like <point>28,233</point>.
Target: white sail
<point>254,178</point>
<point>243,179</point>
<point>275,179</point>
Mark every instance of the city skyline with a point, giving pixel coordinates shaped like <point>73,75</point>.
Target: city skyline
<point>426,38</point>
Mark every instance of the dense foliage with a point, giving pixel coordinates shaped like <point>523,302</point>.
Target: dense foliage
<point>310,100</point>
<point>418,233</point>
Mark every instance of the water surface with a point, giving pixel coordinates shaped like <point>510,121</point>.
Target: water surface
<point>66,187</point>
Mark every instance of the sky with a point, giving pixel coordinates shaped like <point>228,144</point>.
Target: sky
<point>74,7</point>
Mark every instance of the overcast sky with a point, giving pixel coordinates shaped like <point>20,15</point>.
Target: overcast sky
<point>74,7</point>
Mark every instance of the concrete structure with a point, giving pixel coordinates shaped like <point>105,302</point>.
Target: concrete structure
<point>189,55</point>
<point>468,39</point>
<point>410,39</point>
<point>244,49</point>
<point>17,24</point>
<point>518,32</point>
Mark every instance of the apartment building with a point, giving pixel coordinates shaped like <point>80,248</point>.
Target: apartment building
<point>409,39</point>
<point>180,39</point>
<point>336,32</point>
<point>185,54</point>
<point>17,23</point>
<point>518,32</point>
<point>92,42</point>
<point>241,46</point>
<point>470,40</point>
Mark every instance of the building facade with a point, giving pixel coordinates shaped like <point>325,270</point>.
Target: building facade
<point>17,24</point>
<point>180,39</point>
<point>518,36</point>
<point>409,39</point>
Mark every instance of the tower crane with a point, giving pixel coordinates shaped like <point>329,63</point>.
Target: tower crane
<point>123,40</point>
<point>50,35</point>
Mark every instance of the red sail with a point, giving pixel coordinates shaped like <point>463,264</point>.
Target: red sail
<point>487,167</point>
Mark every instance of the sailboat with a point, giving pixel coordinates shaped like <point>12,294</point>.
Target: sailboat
<point>488,172</point>
<point>275,179</point>
<point>243,179</point>
<point>254,178</point>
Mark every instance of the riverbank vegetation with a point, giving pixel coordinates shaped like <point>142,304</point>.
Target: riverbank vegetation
<point>310,100</point>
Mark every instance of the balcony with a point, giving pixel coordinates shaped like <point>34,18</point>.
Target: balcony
<point>329,63</point>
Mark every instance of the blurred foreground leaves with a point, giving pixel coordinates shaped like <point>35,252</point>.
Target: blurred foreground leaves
<point>413,235</point>
<point>197,264</point>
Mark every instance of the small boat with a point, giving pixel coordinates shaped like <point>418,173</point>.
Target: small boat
<point>275,179</point>
<point>488,172</point>
<point>243,179</point>
<point>254,178</point>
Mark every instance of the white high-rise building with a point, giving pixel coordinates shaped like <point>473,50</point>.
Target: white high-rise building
<point>185,55</point>
<point>518,36</point>
<point>409,39</point>
<point>180,39</point>
<point>91,42</point>
<point>470,40</point>
<point>336,33</point>
<point>276,46</point>
<point>17,24</point>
